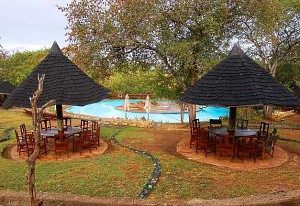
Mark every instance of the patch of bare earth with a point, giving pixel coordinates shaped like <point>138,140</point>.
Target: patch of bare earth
<point>174,140</point>
<point>12,153</point>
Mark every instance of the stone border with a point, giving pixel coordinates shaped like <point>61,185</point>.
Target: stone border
<point>115,121</point>
<point>149,186</point>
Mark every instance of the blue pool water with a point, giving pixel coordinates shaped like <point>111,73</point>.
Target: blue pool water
<point>106,109</point>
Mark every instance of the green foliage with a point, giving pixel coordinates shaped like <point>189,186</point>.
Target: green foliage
<point>271,29</point>
<point>154,82</point>
<point>16,67</point>
<point>176,36</point>
<point>289,74</point>
<point>131,82</point>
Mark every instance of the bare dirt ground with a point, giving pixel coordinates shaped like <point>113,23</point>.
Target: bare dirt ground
<point>11,153</point>
<point>174,140</point>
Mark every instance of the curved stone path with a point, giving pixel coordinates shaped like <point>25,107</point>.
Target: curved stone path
<point>149,186</point>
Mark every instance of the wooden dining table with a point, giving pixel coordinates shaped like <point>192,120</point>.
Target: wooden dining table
<point>237,133</point>
<point>53,131</point>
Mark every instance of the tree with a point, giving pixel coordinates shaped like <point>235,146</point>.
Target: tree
<point>2,56</point>
<point>132,81</point>
<point>36,119</point>
<point>2,52</point>
<point>16,67</point>
<point>272,29</point>
<point>175,36</point>
<point>289,74</point>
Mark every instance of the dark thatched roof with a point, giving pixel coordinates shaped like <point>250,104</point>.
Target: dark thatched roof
<point>6,87</point>
<point>238,81</point>
<point>64,82</point>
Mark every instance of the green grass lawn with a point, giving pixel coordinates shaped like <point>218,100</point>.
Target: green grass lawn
<point>122,173</point>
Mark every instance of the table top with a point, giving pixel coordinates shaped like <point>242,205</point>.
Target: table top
<point>54,131</point>
<point>238,132</point>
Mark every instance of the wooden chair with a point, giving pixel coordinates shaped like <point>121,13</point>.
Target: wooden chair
<point>262,136</point>
<point>84,125</point>
<point>83,141</point>
<point>242,124</point>
<point>24,131</point>
<point>194,131</point>
<point>227,145</point>
<point>215,123</point>
<point>61,143</point>
<point>95,138</point>
<point>205,142</point>
<point>263,131</point>
<point>28,137</point>
<point>31,143</point>
<point>22,145</point>
<point>46,125</point>
<point>269,144</point>
<point>248,145</point>
<point>86,139</point>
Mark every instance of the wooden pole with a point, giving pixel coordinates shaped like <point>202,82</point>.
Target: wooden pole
<point>59,115</point>
<point>232,119</point>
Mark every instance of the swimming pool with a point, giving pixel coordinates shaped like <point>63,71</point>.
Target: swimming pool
<point>106,109</point>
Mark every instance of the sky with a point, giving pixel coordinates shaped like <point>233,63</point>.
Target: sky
<point>31,24</point>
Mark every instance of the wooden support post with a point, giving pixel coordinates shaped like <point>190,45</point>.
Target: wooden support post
<point>59,114</point>
<point>232,119</point>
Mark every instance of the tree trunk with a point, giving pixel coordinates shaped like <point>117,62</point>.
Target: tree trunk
<point>182,110</point>
<point>31,177</point>
<point>192,112</point>
<point>268,110</point>
<point>36,120</point>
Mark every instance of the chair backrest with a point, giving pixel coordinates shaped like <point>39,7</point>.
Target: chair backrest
<point>203,135</point>
<point>248,140</point>
<point>84,125</point>
<point>242,124</point>
<point>264,128</point>
<point>19,138</point>
<point>85,135</point>
<point>195,125</point>
<point>67,122</point>
<point>23,130</point>
<point>227,141</point>
<point>60,139</point>
<point>215,123</point>
<point>274,132</point>
<point>30,139</point>
<point>46,124</point>
<point>273,137</point>
<point>95,127</point>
